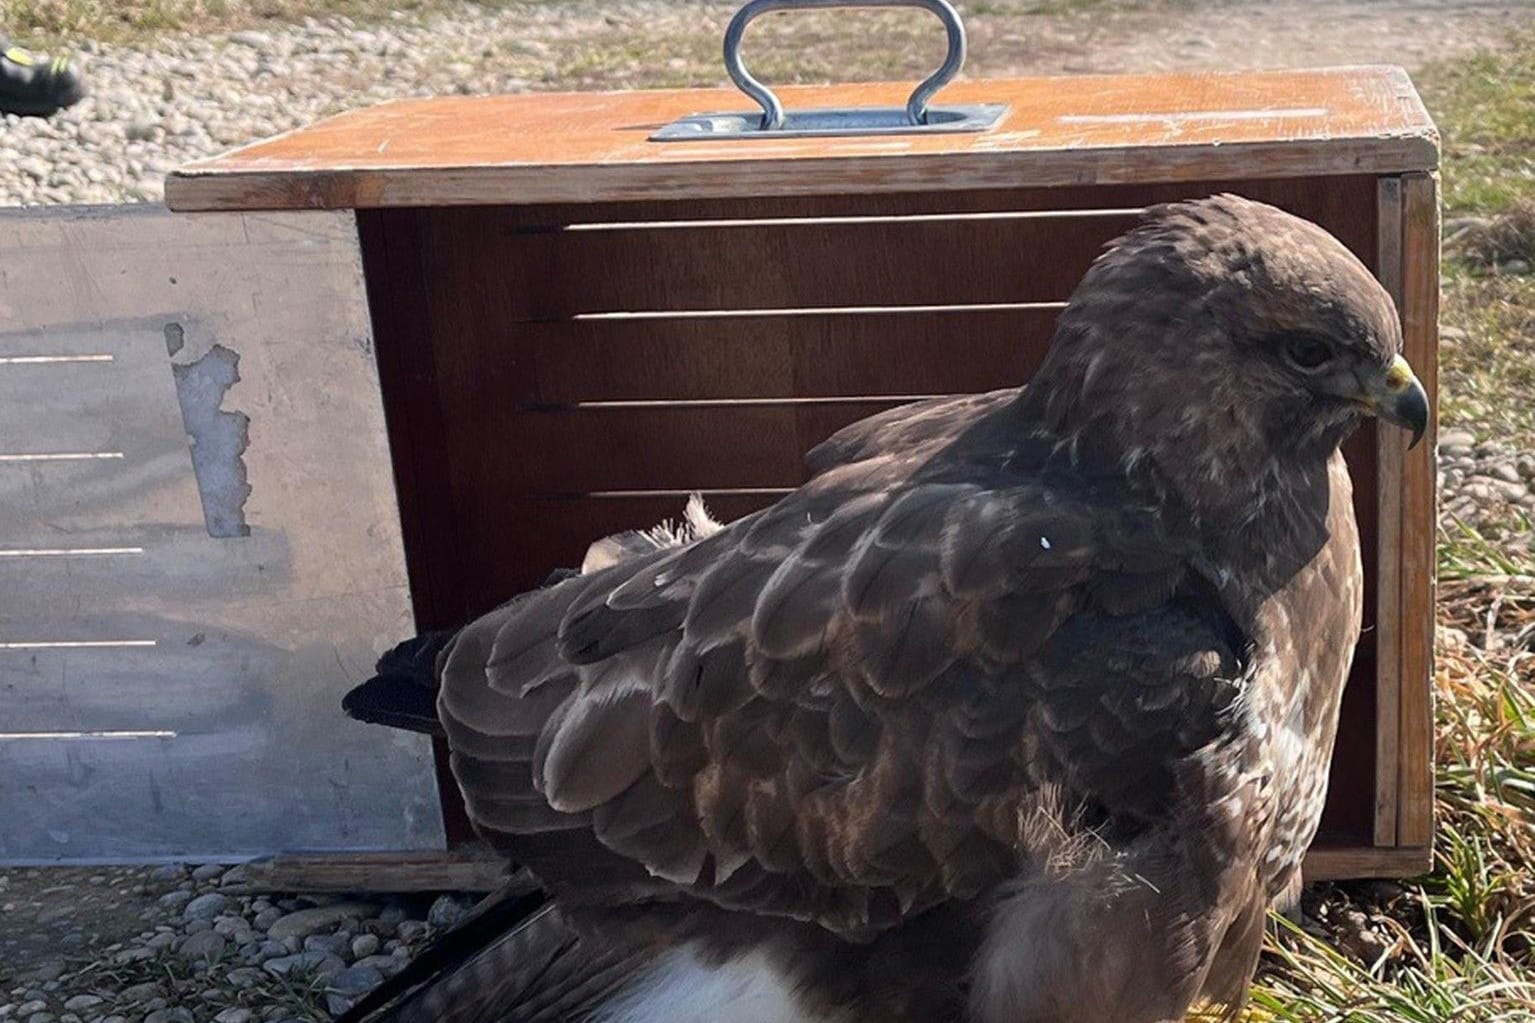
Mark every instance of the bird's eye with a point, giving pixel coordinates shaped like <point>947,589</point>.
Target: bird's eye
<point>1308,352</point>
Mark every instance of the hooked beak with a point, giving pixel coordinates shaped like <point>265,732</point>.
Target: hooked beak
<point>1397,397</point>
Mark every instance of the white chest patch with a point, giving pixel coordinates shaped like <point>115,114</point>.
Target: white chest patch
<point>681,988</point>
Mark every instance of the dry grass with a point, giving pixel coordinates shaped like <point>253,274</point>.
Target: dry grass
<point>1488,354</point>
<point>1495,243</point>
<point>1485,106</point>
<point>1462,940</point>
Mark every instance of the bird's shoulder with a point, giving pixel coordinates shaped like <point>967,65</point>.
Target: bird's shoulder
<point>912,428</point>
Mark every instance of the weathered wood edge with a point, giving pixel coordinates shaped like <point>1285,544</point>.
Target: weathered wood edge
<point>470,868</point>
<point>1350,863</point>
<point>1420,283</point>
<point>1388,518</point>
<point>476,868</point>
<point>195,189</point>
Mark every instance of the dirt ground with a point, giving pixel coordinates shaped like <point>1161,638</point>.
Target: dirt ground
<point>49,913</point>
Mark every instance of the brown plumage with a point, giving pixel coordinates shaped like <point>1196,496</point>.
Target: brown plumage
<point>1019,711</point>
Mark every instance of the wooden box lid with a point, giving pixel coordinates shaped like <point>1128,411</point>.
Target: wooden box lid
<point>594,147</point>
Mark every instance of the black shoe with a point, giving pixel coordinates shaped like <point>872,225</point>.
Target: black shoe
<point>32,85</point>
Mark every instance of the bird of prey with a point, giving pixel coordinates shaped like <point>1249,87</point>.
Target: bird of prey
<point>1019,711</point>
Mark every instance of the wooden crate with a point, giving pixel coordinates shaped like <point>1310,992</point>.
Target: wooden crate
<point>577,326</point>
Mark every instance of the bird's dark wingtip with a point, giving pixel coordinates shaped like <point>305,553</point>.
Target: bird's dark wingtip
<point>404,692</point>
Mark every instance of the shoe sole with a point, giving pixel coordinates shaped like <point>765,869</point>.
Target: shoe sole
<point>41,108</point>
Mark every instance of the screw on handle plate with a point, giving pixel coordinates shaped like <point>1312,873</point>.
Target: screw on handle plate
<point>772,108</point>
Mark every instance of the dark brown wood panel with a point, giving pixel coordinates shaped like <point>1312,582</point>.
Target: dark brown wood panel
<point>773,356</point>
<point>540,535</point>
<point>1349,815</point>
<point>666,448</point>
<point>554,274</point>
<point>1330,201</point>
<point>550,275</point>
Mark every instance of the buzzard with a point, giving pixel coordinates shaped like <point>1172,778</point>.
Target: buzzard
<point>1019,711</point>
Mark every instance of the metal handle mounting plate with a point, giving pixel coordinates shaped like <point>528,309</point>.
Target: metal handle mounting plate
<point>775,122</point>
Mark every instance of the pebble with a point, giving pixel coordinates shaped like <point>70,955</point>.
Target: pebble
<point>33,167</point>
<point>264,919</point>
<point>173,900</point>
<point>1454,442</point>
<point>1506,472</point>
<point>334,944</point>
<point>387,965</point>
<point>411,930</point>
<point>254,40</point>
<point>446,912</point>
<point>350,984</point>
<point>364,945</point>
<point>313,960</point>
<point>235,1014</point>
<point>204,945</point>
<point>229,925</point>
<point>207,872</point>
<point>242,977</point>
<point>82,1003</point>
<point>1514,492</point>
<point>206,907</point>
<point>304,922</point>
<point>139,992</point>
<point>174,1014</point>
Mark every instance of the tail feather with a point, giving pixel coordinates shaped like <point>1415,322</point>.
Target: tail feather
<point>404,692</point>
<point>514,959</point>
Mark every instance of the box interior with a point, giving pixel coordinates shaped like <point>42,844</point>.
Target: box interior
<point>553,374</point>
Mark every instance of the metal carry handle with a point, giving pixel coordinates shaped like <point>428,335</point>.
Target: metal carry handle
<point>772,108</point>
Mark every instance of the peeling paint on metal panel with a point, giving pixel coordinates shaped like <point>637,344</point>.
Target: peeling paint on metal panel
<point>218,438</point>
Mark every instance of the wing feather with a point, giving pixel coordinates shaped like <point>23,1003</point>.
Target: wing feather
<point>840,708</point>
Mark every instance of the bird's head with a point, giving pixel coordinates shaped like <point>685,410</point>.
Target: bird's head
<point>1225,323</point>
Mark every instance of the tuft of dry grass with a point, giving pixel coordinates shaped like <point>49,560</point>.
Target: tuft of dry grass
<point>1495,243</point>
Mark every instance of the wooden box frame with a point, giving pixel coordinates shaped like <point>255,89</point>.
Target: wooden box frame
<point>575,326</point>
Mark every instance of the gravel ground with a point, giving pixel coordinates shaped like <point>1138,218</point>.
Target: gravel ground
<point>180,944</point>
<point>184,945</point>
<point>156,105</point>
